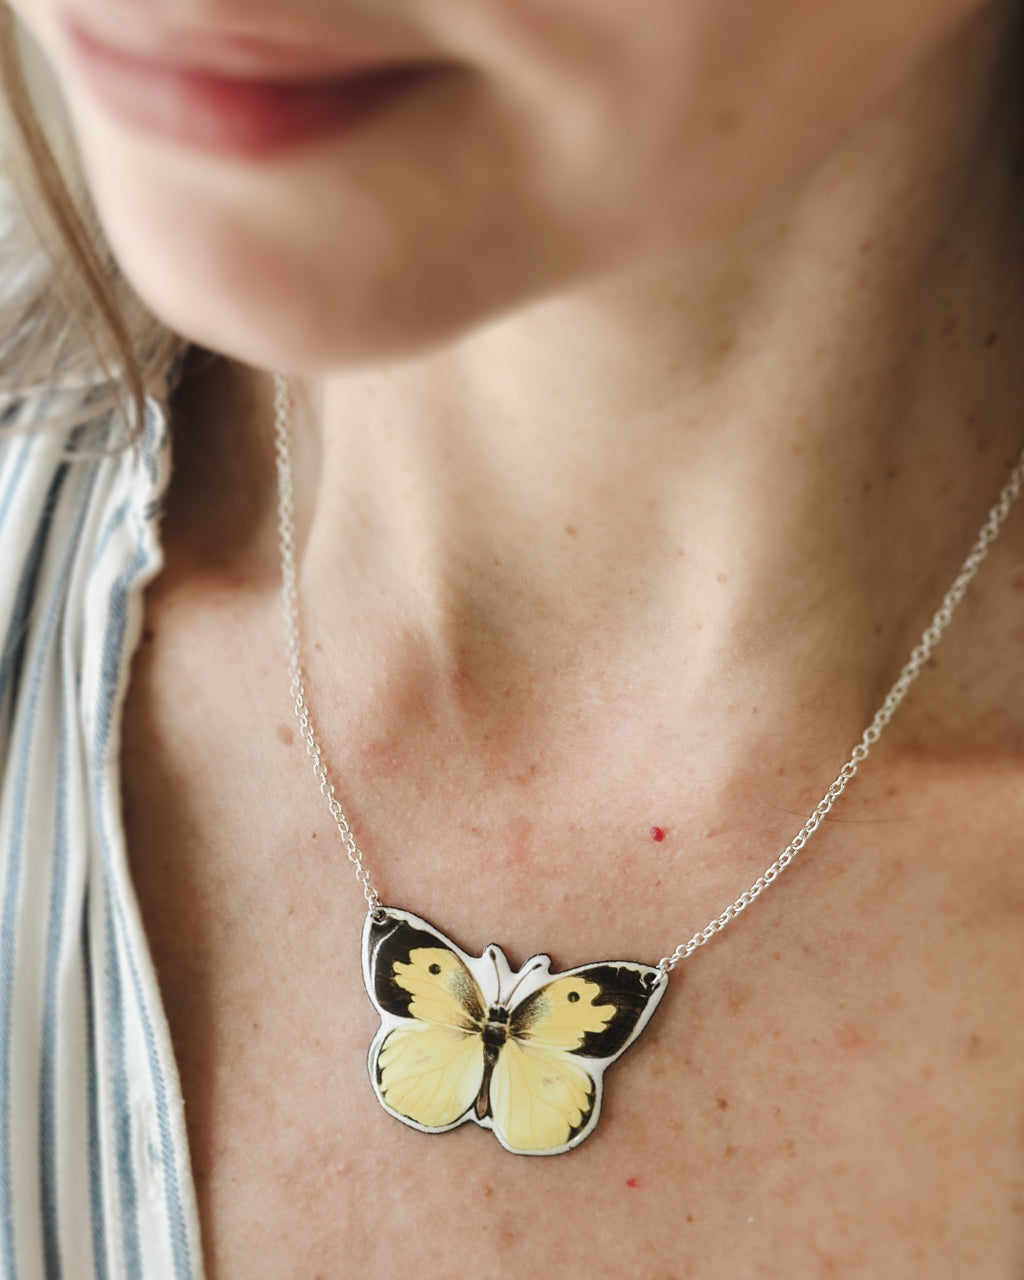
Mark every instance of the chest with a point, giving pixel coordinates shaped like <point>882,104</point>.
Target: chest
<point>832,1087</point>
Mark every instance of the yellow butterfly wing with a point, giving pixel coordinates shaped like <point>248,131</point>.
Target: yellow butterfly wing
<point>427,1062</point>
<point>430,1075</point>
<point>540,1099</point>
<point>562,1014</point>
<point>441,989</point>
<point>545,1090</point>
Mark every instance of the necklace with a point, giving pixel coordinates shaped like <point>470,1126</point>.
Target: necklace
<point>523,1052</point>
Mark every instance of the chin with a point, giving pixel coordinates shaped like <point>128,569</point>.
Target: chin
<point>309,300</point>
<point>279,319</point>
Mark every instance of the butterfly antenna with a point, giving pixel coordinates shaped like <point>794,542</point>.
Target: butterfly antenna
<point>538,964</point>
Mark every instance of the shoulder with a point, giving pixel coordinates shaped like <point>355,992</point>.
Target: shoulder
<point>60,448</point>
<point>78,510</point>
<point>79,1007</point>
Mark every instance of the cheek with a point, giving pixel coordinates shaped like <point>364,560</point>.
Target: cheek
<point>699,111</point>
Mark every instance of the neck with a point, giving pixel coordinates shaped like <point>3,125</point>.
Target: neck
<point>759,465</point>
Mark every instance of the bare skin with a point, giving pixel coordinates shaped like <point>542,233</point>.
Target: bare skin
<point>646,551</point>
<point>514,686</point>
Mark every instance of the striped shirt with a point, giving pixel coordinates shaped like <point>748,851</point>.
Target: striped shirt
<point>95,1179</point>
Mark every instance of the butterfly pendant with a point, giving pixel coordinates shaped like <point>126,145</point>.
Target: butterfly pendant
<point>465,1038</point>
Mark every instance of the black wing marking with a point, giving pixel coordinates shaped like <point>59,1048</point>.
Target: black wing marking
<point>625,987</point>
<point>389,942</point>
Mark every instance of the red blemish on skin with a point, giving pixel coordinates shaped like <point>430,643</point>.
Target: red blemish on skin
<point>512,847</point>
<point>657,835</point>
<point>849,1039</point>
<point>631,1182</point>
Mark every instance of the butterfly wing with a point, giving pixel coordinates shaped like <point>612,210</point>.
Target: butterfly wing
<point>427,1059</point>
<point>429,1076</point>
<point>546,1086</point>
<point>540,1099</point>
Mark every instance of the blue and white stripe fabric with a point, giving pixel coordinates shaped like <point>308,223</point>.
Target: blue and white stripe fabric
<point>95,1181</point>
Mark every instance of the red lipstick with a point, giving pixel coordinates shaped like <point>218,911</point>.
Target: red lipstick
<point>267,101</point>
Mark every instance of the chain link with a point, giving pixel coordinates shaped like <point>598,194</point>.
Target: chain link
<point>293,641</point>
<point>919,657</point>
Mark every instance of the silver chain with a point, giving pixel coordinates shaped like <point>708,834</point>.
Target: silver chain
<point>919,656</point>
<point>293,641</point>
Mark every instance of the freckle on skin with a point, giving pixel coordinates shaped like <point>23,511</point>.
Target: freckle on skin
<point>285,735</point>
<point>723,1104</point>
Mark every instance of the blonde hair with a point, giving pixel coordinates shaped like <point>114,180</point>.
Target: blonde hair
<point>68,317</point>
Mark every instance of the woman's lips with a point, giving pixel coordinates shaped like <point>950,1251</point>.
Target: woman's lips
<point>245,114</point>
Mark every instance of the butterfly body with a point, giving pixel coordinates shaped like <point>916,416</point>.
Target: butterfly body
<point>495,1036</point>
<point>467,1038</point>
